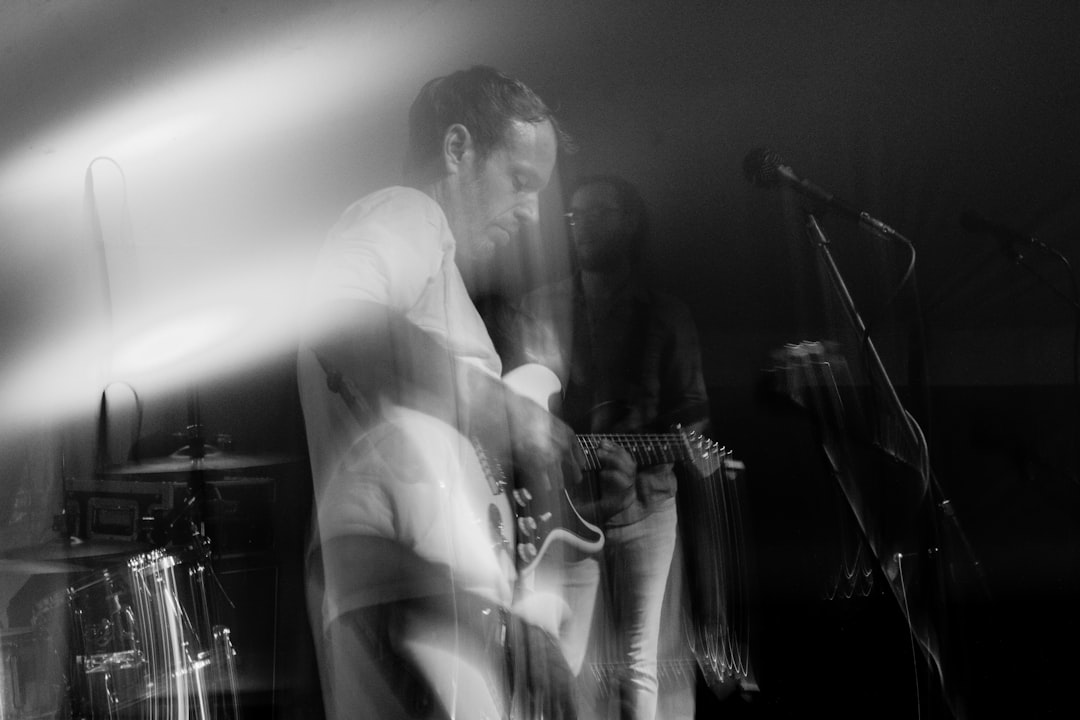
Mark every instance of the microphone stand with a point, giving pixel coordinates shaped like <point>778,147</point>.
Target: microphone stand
<point>893,565</point>
<point>915,434</point>
<point>821,243</point>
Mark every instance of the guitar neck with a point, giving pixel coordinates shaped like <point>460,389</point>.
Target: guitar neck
<point>647,449</point>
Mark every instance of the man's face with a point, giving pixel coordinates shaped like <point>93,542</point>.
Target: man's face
<point>600,227</point>
<point>488,201</point>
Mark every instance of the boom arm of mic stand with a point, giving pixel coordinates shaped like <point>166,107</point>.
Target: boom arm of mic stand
<point>821,242</point>
<point>929,483</point>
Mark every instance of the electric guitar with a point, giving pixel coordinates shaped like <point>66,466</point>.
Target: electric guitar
<point>545,517</point>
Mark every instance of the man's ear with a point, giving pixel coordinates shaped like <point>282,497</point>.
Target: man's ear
<point>457,147</point>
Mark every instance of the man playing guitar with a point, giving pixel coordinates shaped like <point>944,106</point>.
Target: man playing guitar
<point>414,587</point>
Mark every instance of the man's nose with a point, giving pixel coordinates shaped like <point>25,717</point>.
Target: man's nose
<point>528,210</point>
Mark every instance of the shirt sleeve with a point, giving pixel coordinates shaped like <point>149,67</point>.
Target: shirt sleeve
<point>385,249</point>
<point>537,320</point>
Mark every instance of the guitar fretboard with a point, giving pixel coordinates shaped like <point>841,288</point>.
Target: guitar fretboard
<point>649,449</point>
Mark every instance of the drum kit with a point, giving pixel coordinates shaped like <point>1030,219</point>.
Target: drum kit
<point>131,632</point>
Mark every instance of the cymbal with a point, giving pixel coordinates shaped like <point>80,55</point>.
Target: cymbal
<point>16,566</point>
<point>77,555</point>
<point>213,459</point>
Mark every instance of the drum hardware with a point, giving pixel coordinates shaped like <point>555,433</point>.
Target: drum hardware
<point>131,636</point>
<point>192,461</point>
<point>198,454</point>
<point>137,640</point>
<point>197,462</point>
<point>135,632</point>
<point>226,682</point>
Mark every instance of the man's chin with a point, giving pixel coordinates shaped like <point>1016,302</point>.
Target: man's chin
<point>485,250</point>
<point>481,248</point>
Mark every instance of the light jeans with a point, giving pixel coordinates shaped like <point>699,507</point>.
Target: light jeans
<point>634,575</point>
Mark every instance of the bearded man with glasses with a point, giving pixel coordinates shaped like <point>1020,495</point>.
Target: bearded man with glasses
<point>628,359</point>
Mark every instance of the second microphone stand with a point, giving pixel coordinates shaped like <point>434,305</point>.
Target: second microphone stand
<point>923,627</point>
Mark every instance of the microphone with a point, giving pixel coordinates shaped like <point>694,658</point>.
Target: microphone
<point>976,223</point>
<point>764,167</point>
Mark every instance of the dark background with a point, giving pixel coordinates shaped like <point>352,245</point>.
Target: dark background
<point>243,129</point>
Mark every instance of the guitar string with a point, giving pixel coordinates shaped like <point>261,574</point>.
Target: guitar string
<point>702,640</point>
<point>737,629</point>
<point>732,619</point>
<point>716,638</point>
<point>654,448</point>
<point>716,481</point>
<point>724,635</point>
<point>739,624</point>
<point>723,641</point>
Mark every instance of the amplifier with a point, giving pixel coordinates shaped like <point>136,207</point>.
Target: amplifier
<point>237,512</point>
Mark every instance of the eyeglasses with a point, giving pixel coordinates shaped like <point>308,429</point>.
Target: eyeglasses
<point>579,217</point>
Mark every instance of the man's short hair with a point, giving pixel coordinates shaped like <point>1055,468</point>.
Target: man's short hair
<point>630,201</point>
<point>482,99</point>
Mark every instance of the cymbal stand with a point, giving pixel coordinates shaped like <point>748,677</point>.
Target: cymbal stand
<point>194,506</point>
<point>196,478</point>
<point>65,523</point>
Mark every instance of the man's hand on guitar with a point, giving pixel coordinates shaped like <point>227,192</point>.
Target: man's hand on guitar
<point>545,451</point>
<point>618,469</point>
<point>616,485</point>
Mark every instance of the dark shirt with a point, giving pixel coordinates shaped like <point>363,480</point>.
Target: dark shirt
<point>629,362</point>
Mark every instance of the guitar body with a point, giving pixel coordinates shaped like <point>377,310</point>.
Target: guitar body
<point>530,517</point>
<point>467,514</point>
<point>546,517</point>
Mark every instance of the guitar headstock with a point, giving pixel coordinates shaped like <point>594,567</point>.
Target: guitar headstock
<point>706,455</point>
